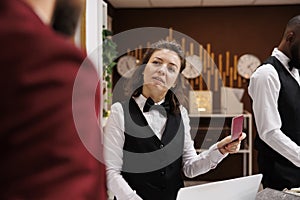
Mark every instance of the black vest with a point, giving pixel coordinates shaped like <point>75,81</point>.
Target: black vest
<point>152,167</point>
<point>288,175</point>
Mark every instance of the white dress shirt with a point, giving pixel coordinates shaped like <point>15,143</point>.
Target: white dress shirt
<point>193,164</point>
<point>264,90</point>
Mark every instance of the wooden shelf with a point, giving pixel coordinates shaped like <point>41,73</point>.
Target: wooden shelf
<point>207,128</point>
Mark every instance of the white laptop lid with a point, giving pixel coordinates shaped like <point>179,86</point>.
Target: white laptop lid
<point>244,188</point>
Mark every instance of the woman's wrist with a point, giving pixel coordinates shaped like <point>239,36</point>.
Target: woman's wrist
<point>222,150</point>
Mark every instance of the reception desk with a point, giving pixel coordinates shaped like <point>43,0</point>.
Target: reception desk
<point>270,194</point>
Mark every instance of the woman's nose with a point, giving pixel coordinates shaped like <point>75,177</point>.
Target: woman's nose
<point>162,69</point>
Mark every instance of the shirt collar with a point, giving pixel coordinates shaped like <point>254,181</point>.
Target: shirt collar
<point>141,100</point>
<point>281,57</point>
<point>285,60</point>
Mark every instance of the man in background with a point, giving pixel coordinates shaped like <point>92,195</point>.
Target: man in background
<point>42,156</point>
<point>275,91</point>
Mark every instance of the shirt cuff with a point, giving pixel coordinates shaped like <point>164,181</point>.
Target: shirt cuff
<point>215,155</point>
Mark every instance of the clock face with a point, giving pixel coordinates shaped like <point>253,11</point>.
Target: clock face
<point>126,66</point>
<point>193,67</point>
<point>247,64</point>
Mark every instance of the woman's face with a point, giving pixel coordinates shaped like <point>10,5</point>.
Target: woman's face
<point>161,73</point>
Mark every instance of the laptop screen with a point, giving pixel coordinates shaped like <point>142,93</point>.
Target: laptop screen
<point>244,188</point>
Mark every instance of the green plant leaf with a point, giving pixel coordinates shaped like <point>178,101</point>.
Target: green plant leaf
<point>109,56</point>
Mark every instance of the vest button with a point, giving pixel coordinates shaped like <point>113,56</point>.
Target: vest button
<point>161,146</point>
<point>162,173</point>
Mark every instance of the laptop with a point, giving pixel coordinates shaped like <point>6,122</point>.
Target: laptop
<point>244,188</point>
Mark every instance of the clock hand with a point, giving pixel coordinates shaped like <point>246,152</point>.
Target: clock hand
<point>127,66</point>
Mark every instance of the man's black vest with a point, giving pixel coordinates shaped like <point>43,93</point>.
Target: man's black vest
<point>282,172</point>
<point>152,167</point>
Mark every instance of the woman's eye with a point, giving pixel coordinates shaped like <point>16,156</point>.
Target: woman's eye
<point>156,62</point>
<point>171,69</point>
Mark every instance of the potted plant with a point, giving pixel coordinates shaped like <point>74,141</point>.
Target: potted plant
<point>109,54</point>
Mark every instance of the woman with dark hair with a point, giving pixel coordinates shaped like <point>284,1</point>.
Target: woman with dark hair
<point>135,85</point>
<point>147,138</point>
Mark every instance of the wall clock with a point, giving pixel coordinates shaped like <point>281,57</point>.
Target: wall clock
<point>193,67</point>
<point>247,64</point>
<point>126,66</point>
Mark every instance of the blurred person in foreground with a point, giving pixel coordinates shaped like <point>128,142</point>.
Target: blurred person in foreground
<point>42,153</point>
<point>275,90</point>
<point>147,140</point>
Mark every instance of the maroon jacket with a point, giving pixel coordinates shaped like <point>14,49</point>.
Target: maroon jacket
<point>42,156</point>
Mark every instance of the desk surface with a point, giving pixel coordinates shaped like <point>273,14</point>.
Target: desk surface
<point>270,194</point>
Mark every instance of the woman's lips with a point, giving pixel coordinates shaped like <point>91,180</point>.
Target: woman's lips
<point>159,80</point>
